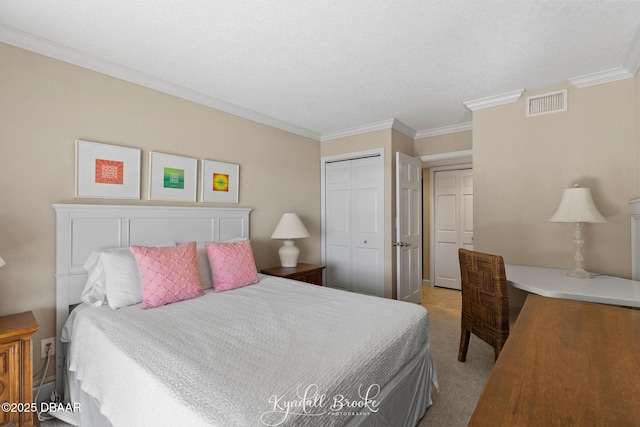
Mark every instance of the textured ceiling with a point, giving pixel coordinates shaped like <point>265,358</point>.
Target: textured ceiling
<point>320,67</point>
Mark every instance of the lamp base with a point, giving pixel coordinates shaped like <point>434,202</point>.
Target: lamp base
<point>580,273</point>
<point>578,240</point>
<point>289,254</point>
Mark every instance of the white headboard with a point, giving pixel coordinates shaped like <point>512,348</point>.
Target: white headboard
<point>81,229</point>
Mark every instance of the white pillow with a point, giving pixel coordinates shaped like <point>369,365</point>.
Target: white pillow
<point>204,268</point>
<point>122,282</point>
<point>112,279</point>
<point>94,291</point>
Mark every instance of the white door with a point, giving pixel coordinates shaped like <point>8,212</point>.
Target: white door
<point>338,224</point>
<point>466,209</point>
<point>354,225</point>
<point>367,237</point>
<point>408,242</point>
<point>453,210</point>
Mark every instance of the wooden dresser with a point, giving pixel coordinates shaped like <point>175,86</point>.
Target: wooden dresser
<point>565,363</point>
<point>16,369</point>
<point>309,273</point>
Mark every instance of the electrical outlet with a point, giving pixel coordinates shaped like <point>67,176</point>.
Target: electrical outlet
<point>43,347</point>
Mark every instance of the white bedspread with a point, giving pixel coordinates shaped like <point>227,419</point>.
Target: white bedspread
<point>239,358</point>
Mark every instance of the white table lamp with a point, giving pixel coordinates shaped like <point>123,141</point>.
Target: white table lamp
<point>577,206</point>
<point>290,227</point>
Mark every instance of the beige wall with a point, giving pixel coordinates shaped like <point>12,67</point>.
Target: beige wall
<point>356,143</point>
<point>47,104</point>
<point>401,143</point>
<point>521,167</point>
<point>459,141</point>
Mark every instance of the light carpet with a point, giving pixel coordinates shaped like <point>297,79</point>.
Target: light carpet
<point>460,383</point>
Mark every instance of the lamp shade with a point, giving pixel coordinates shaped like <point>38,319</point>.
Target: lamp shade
<point>577,206</point>
<point>2,262</point>
<point>290,227</point>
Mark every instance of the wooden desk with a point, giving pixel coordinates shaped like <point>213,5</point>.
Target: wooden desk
<point>554,283</point>
<point>565,363</point>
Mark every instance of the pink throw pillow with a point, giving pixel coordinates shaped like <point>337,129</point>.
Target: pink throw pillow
<point>232,265</point>
<point>167,274</point>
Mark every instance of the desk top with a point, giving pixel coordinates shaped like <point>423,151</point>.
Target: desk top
<point>554,283</point>
<point>565,363</point>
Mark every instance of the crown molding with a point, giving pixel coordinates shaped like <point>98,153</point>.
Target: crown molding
<point>445,130</point>
<point>632,61</point>
<point>394,124</point>
<point>600,77</point>
<point>403,129</point>
<point>493,101</point>
<point>53,50</point>
<point>357,130</point>
<point>448,158</point>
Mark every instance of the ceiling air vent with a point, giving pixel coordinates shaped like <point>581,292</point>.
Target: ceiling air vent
<point>547,103</point>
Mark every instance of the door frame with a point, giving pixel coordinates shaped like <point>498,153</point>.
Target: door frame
<point>376,152</point>
<point>432,202</point>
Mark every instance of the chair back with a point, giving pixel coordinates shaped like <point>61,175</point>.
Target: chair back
<point>485,299</point>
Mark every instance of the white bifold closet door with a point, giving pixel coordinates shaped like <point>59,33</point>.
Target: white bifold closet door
<point>354,218</point>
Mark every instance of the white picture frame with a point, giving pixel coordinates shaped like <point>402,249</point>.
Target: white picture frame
<point>219,182</point>
<point>172,177</point>
<point>106,171</point>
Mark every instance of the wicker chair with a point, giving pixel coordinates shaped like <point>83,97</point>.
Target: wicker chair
<point>485,300</point>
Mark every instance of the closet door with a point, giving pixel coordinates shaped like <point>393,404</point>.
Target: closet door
<point>354,215</point>
<point>367,269</point>
<point>338,225</point>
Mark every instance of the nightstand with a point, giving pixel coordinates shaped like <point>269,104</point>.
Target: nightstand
<point>303,272</point>
<point>16,369</point>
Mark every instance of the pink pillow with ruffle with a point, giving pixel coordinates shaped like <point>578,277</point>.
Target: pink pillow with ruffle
<point>232,265</point>
<point>167,274</point>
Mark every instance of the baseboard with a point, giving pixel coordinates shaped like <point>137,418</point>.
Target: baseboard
<point>426,282</point>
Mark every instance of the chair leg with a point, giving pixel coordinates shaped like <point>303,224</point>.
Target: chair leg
<point>464,345</point>
<point>498,348</point>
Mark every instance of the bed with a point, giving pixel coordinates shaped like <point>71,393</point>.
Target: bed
<point>274,353</point>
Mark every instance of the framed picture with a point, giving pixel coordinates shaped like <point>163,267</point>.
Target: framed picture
<point>220,182</point>
<point>172,177</point>
<point>107,171</point>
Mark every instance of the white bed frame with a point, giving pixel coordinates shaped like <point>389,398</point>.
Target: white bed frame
<point>82,229</point>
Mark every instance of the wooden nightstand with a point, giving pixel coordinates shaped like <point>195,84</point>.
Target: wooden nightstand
<point>16,369</point>
<point>303,272</point>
